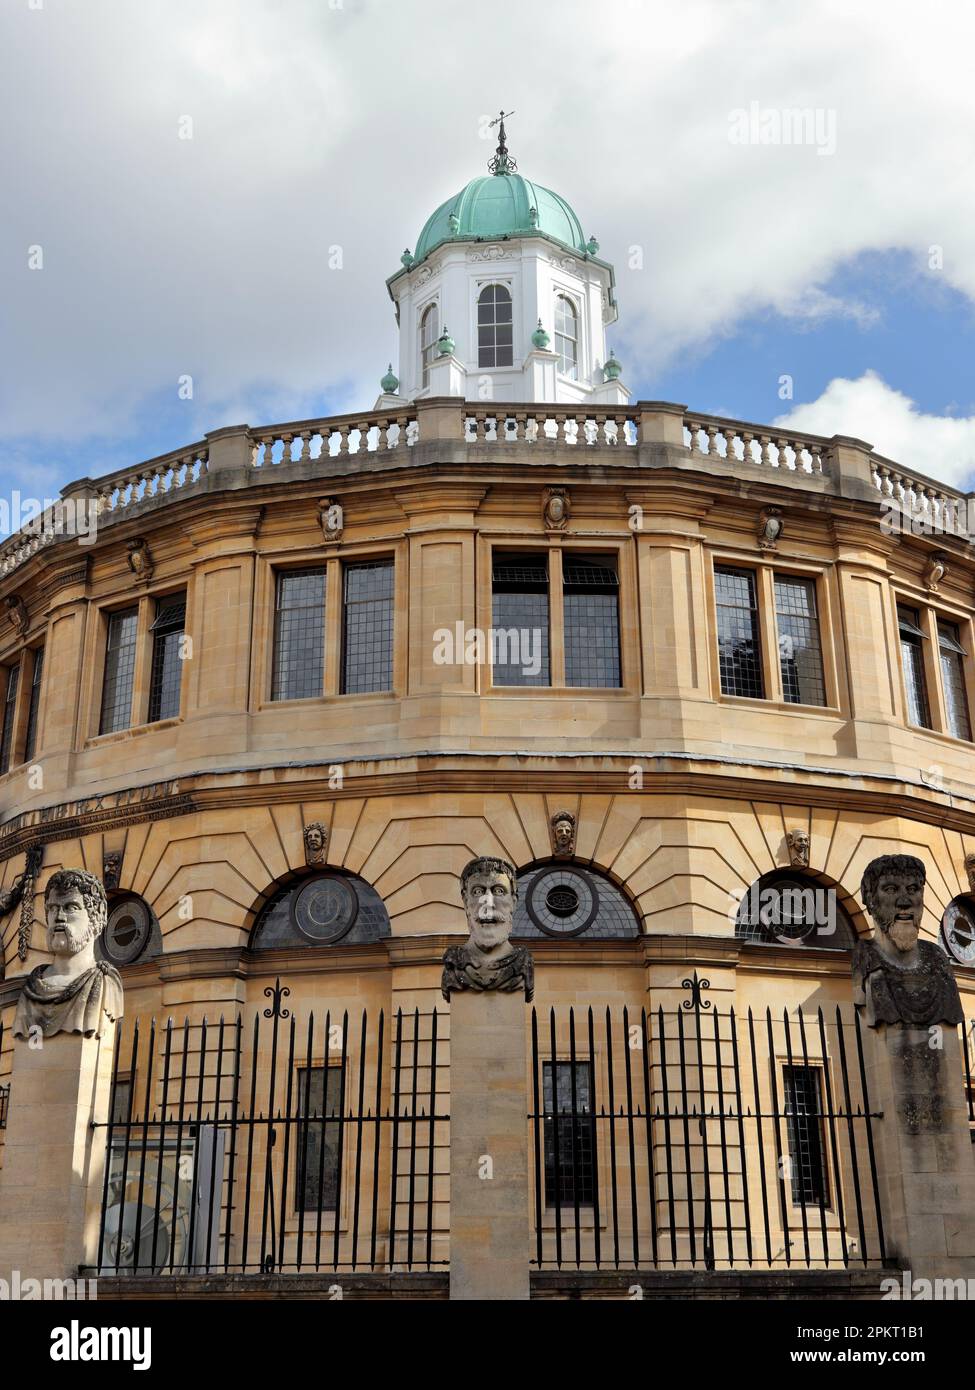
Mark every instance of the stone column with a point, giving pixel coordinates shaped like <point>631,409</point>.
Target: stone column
<point>53,1159</point>
<point>489,1234</point>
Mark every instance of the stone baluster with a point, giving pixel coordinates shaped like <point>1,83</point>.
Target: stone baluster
<point>815,458</point>
<point>712,432</point>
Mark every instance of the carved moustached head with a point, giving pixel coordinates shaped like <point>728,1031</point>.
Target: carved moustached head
<point>490,890</point>
<point>893,893</point>
<point>76,910</point>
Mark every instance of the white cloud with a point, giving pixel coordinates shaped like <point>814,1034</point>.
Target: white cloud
<point>936,445</point>
<point>344,124</point>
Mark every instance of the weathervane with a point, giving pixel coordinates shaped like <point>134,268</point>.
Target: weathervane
<point>502,163</point>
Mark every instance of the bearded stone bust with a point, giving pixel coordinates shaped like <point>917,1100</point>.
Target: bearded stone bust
<point>76,993</point>
<point>896,977</point>
<point>487,960</point>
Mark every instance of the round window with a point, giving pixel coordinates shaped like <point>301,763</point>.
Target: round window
<point>563,902</point>
<point>127,932</point>
<point>324,910</point>
<point>958,930</point>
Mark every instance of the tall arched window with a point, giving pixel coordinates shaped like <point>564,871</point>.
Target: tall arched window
<point>567,336</point>
<point>429,333</point>
<point>494,327</point>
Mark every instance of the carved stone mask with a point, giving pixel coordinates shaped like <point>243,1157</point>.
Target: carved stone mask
<point>489,904</point>
<point>896,908</point>
<point>69,927</point>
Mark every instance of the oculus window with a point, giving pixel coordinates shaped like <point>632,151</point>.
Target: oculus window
<point>565,901</point>
<point>322,910</point>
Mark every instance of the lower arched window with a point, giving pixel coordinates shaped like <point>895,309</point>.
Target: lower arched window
<point>563,901</point>
<point>958,929</point>
<point>322,910</point>
<point>131,933</point>
<point>785,909</point>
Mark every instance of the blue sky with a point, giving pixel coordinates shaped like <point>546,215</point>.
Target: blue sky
<point>188,170</point>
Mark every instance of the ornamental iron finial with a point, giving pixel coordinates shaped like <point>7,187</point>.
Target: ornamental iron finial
<point>502,163</point>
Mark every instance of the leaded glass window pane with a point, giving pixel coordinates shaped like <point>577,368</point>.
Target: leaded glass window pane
<point>953,679</point>
<point>119,671</point>
<point>429,333</point>
<point>299,635</point>
<point>802,1097</point>
<point>569,1134</point>
<point>494,327</point>
<point>800,655</point>
<point>167,665</point>
<point>912,659</point>
<point>739,655</point>
<point>367,649</point>
<point>592,621</point>
<point>317,1173</point>
<point>9,711</point>
<point>520,617</point>
<point>30,742</point>
<point>567,336</point>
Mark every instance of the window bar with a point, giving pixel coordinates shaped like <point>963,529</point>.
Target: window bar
<point>290,1099</point>
<point>595,1131</point>
<point>630,1137</point>
<point>688,1178</point>
<point>833,1146</point>
<point>854,1162</point>
<point>554,1122</point>
<point>343,1067</point>
<point>267,1257</point>
<point>111,1131</point>
<point>145,1147</point>
<point>612,1140</point>
<point>360,1112</point>
<point>761,1145</point>
<point>795,1164</point>
<point>320,1205</point>
<point>251,1114</point>
<point>703,1127</point>
<point>378,1143</point>
<point>820,1134</point>
<point>776,1117</point>
<point>430,1149</point>
<point>667,1143</point>
<point>412,1183</point>
<point>125,1152</point>
<point>723,1136</point>
<point>535,1122</point>
<point>302,1136</point>
<point>213,1147</point>
<point>397,1077</point>
<point>167,1059</point>
<point>179,1136</point>
<point>968,1073</point>
<point>195,1180</point>
<point>870,1147</point>
<point>238,1031</point>
<point>574,1146</point>
<point>741,1136</point>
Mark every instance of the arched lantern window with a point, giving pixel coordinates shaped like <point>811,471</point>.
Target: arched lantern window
<point>429,333</point>
<point>567,336</point>
<point>494,327</point>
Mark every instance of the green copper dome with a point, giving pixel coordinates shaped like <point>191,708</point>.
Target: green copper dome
<point>501,205</point>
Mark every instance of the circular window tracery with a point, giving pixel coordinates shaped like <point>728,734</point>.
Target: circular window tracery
<point>127,932</point>
<point>565,901</point>
<point>958,930</point>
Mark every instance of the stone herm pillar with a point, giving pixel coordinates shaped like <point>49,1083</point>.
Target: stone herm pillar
<point>907,992</point>
<point>488,982</point>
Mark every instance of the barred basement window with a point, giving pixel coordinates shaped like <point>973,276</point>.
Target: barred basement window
<point>119,671</point>
<point>367,647</point>
<point>4,1103</point>
<point>592,621</point>
<point>30,742</point>
<point>803,1105</point>
<point>319,1108</point>
<point>569,1134</point>
<point>799,646</point>
<point>739,656</point>
<point>167,666</point>
<point>953,678</point>
<point>567,336</point>
<point>9,712</point>
<point>912,659</point>
<point>494,327</point>
<point>429,333</point>
<point>299,635</point>
<point>520,620</point>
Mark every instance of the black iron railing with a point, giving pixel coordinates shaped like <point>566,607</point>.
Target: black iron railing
<point>700,1139</point>
<point>270,1146</point>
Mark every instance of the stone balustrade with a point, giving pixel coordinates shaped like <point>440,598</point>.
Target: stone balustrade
<point>601,429</point>
<point>153,480</point>
<point>936,507</point>
<point>710,437</point>
<point>332,437</point>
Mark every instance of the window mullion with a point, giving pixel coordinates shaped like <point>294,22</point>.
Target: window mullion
<point>556,611</point>
<point>768,634</point>
<point>931,650</point>
<point>333,625</point>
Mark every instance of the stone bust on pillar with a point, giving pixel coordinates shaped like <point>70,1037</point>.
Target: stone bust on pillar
<point>897,978</point>
<point>77,993</point>
<point>487,960</point>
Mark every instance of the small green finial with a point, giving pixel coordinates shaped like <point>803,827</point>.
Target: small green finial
<point>445,343</point>
<point>407,258</point>
<point>533,216</point>
<point>390,382</point>
<point>611,367</point>
<point>592,246</point>
<point>540,338</point>
<point>453,221</point>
